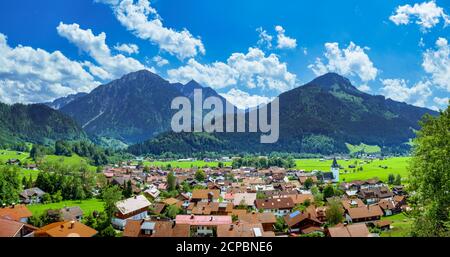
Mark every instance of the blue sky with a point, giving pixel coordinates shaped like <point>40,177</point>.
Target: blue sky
<point>395,48</point>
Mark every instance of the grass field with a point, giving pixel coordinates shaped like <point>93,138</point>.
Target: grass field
<point>87,206</point>
<point>397,165</point>
<point>5,155</point>
<point>72,160</point>
<point>368,149</point>
<point>176,164</point>
<point>401,226</point>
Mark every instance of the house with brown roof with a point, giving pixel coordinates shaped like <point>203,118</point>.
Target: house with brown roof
<point>279,207</point>
<point>18,213</point>
<point>205,195</point>
<point>245,199</point>
<point>353,230</point>
<point>157,228</point>
<point>267,220</point>
<point>71,213</point>
<point>364,213</point>
<point>65,229</point>
<point>210,208</point>
<point>243,230</point>
<point>303,222</point>
<point>374,195</point>
<point>134,208</point>
<point>12,228</point>
<point>203,225</point>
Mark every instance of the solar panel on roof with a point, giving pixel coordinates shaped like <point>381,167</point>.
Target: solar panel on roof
<point>292,215</point>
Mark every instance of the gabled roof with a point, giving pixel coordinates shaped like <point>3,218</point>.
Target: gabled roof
<point>296,217</point>
<point>204,193</point>
<point>279,203</point>
<point>70,213</point>
<point>66,229</point>
<point>132,204</point>
<point>354,230</point>
<point>10,228</point>
<point>365,212</point>
<point>202,220</point>
<point>16,212</point>
<point>263,218</point>
<point>247,198</point>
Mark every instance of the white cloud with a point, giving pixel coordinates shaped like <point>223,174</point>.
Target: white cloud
<point>398,90</point>
<point>351,61</point>
<point>244,100</point>
<point>364,88</point>
<point>160,61</point>
<point>127,48</point>
<point>251,70</point>
<point>145,22</point>
<point>265,40</point>
<point>441,101</point>
<point>437,63</point>
<point>284,42</point>
<point>110,66</point>
<point>29,75</point>
<point>426,15</point>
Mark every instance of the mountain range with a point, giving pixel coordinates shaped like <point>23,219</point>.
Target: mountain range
<point>319,117</point>
<point>36,123</point>
<point>132,109</point>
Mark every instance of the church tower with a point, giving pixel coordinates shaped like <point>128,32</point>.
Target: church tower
<point>335,171</point>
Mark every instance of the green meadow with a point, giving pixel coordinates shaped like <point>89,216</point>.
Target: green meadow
<point>376,168</point>
<point>87,206</point>
<point>363,148</point>
<point>5,155</point>
<point>400,227</point>
<point>72,160</point>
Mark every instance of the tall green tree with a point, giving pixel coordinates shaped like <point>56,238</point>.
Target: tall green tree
<point>10,185</point>
<point>430,176</point>
<point>171,181</point>
<point>111,195</point>
<point>334,212</point>
<point>200,175</point>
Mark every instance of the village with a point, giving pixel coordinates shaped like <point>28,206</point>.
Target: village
<point>225,202</point>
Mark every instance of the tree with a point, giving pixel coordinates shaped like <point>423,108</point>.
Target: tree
<point>111,195</point>
<point>220,165</point>
<point>200,175</point>
<point>46,198</point>
<point>398,180</point>
<point>308,183</point>
<point>10,185</point>
<point>108,232</point>
<point>429,176</point>
<point>391,179</point>
<point>318,196</point>
<point>334,212</point>
<point>280,225</point>
<point>62,148</point>
<point>24,182</point>
<point>171,181</point>
<point>328,191</point>
<point>260,195</point>
<point>128,189</point>
<point>172,211</point>
<point>37,152</point>
<point>30,182</point>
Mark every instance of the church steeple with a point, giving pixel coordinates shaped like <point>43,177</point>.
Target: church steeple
<point>335,170</point>
<point>335,164</point>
